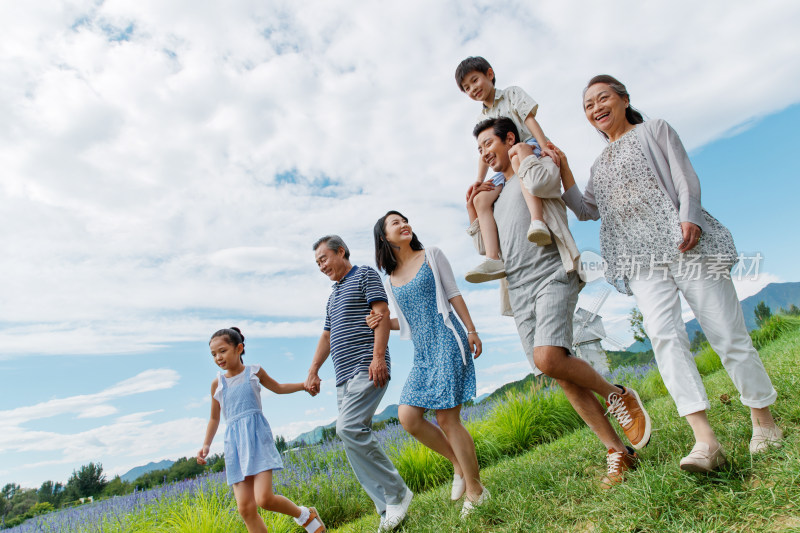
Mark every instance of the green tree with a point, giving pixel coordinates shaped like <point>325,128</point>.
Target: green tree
<point>50,492</point>
<point>637,325</point>
<point>697,341</point>
<point>6,495</point>
<point>88,481</point>
<point>762,312</point>
<point>328,434</point>
<point>117,487</point>
<point>21,502</point>
<point>280,443</point>
<point>184,468</point>
<point>9,490</point>
<point>792,311</point>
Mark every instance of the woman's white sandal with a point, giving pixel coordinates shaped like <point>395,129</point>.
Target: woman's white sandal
<point>459,487</point>
<point>469,505</point>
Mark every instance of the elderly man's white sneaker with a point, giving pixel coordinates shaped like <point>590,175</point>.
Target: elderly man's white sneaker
<point>765,438</point>
<point>396,513</point>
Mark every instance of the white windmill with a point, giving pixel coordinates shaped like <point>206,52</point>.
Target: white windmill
<point>588,331</point>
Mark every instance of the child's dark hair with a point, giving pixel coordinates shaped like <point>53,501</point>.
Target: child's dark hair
<point>502,126</point>
<point>471,64</point>
<point>233,334</point>
<point>384,255</point>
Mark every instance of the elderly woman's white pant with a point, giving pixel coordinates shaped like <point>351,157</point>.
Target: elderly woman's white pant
<point>717,308</point>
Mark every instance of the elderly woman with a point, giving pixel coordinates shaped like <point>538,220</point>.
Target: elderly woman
<point>658,242</point>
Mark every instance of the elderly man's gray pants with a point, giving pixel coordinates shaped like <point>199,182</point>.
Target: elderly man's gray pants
<point>358,399</point>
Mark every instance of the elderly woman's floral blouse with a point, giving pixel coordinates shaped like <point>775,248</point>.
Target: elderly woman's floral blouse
<point>640,230</point>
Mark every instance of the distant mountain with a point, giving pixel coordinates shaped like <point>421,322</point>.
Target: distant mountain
<point>134,473</point>
<point>315,435</point>
<point>482,397</point>
<point>774,295</point>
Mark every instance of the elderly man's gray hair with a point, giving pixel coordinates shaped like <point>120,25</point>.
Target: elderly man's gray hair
<point>334,242</point>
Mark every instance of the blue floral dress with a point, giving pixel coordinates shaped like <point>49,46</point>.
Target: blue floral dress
<point>439,378</point>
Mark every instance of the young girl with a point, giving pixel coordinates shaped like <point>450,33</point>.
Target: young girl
<point>423,292</point>
<point>250,453</point>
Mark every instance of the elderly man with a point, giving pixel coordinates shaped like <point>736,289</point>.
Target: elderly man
<point>362,366</point>
<point>541,290</point>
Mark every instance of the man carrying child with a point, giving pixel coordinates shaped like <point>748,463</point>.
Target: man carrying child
<point>542,291</point>
<point>476,78</point>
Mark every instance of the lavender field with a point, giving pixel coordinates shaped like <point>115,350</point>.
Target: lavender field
<point>320,475</point>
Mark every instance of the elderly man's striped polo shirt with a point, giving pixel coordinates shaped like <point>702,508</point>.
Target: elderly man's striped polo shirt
<point>352,340</point>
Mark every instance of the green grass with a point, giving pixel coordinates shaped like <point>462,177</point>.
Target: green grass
<point>553,486</point>
<point>542,466</point>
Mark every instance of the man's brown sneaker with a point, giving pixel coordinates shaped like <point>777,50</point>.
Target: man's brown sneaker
<point>629,411</point>
<point>618,464</point>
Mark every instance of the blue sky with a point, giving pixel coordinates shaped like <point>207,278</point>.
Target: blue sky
<point>167,167</point>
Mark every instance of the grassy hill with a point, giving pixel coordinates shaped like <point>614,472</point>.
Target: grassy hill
<point>553,487</point>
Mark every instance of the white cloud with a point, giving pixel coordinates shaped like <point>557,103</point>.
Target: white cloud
<point>182,168</point>
<point>746,287</point>
<point>89,405</point>
<point>506,367</point>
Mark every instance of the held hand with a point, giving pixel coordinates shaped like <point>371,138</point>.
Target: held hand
<point>476,188</point>
<point>518,153</point>
<point>201,455</point>
<point>691,236</point>
<point>560,158</point>
<point>471,189</point>
<point>549,152</point>
<point>475,345</point>
<point>378,372</point>
<point>373,319</point>
<point>312,384</point>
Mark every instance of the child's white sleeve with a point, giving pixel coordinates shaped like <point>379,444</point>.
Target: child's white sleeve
<point>522,103</point>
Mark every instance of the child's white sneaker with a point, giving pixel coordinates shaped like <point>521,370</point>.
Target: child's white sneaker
<point>538,233</point>
<point>489,270</point>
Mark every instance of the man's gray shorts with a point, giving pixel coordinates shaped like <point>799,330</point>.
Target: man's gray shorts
<point>544,317</point>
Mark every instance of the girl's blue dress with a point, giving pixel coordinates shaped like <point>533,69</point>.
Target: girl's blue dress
<point>439,378</point>
<point>249,446</point>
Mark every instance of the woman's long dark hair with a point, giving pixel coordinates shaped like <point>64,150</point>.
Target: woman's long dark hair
<point>384,252</point>
<point>632,115</point>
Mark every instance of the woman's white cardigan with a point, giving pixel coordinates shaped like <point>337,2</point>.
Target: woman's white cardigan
<point>446,289</point>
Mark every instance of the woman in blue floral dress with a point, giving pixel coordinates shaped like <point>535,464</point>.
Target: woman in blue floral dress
<point>423,294</point>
